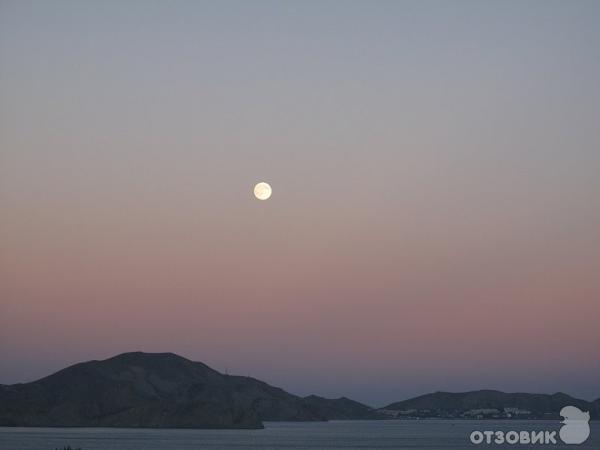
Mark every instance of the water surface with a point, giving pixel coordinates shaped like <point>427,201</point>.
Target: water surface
<point>389,434</point>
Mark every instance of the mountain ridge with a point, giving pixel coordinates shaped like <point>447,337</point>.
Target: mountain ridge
<point>482,403</point>
<point>160,390</point>
<point>165,390</point>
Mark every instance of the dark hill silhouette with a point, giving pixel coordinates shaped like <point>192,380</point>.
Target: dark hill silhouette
<point>160,390</point>
<point>443,404</point>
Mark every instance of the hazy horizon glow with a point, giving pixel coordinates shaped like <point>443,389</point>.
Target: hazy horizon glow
<point>436,222</point>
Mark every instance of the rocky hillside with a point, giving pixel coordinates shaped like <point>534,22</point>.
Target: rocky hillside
<point>160,390</point>
<point>460,404</point>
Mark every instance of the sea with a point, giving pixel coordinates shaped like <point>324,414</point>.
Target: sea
<point>430,434</point>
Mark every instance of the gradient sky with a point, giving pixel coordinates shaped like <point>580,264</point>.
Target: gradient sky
<point>435,218</point>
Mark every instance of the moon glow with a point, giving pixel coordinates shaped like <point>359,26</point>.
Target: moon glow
<point>262,191</point>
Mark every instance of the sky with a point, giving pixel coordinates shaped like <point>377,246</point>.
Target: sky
<point>435,217</point>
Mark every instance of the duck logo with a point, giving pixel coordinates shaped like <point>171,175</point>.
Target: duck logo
<point>576,428</point>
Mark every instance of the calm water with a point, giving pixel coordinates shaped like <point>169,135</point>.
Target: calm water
<point>424,434</point>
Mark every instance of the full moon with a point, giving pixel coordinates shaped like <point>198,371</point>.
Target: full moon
<point>262,191</point>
